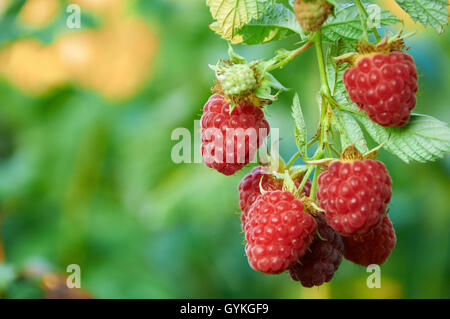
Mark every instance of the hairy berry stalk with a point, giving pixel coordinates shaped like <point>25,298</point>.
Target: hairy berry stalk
<point>364,17</point>
<point>324,118</point>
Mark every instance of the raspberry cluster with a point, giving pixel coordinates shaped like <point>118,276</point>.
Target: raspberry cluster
<point>284,231</point>
<point>308,233</point>
<point>384,86</point>
<point>230,141</point>
<point>283,234</point>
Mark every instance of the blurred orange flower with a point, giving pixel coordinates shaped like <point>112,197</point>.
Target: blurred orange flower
<point>114,60</point>
<point>31,66</point>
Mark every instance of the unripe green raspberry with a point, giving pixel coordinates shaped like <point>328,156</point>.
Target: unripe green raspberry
<point>238,79</point>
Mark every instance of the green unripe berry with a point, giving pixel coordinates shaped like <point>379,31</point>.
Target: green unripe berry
<point>237,79</point>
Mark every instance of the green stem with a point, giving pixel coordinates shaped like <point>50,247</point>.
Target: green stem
<point>292,160</point>
<point>302,49</point>
<point>323,127</point>
<point>364,16</point>
<point>324,122</point>
<point>313,140</point>
<point>377,35</point>
<point>327,146</point>
<point>320,59</point>
<point>314,182</point>
<point>323,138</point>
<point>290,57</point>
<point>298,154</point>
<point>325,91</point>
<point>305,179</point>
<point>340,129</point>
<point>334,150</point>
<point>333,101</point>
<point>343,106</point>
<point>351,110</point>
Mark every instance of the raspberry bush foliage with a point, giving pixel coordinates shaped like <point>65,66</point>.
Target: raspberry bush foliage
<point>303,219</point>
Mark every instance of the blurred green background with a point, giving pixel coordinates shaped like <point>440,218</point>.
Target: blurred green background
<point>86,175</point>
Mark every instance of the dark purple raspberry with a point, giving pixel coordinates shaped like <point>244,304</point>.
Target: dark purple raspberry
<point>322,258</point>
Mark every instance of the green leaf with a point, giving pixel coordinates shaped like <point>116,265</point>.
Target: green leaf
<point>286,3</point>
<point>276,23</point>
<point>428,12</point>
<point>268,83</point>
<point>300,126</point>
<point>350,131</point>
<point>288,183</point>
<point>231,15</point>
<point>346,23</point>
<point>335,71</point>
<point>423,139</point>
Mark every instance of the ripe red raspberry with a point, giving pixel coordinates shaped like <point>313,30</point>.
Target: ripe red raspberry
<point>372,248</point>
<point>278,232</point>
<point>354,195</point>
<point>322,259</point>
<point>231,142</point>
<point>249,189</point>
<point>384,86</point>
